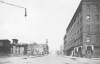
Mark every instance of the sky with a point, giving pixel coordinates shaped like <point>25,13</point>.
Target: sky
<point>46,19</point>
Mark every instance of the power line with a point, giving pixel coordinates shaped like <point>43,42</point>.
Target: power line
<point>16,6</point>
<point>12,4</point>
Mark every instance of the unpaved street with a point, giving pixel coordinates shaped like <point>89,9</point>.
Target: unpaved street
<point>49,59</point>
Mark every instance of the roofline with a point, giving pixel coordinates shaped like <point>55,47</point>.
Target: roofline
<point>90,0</point>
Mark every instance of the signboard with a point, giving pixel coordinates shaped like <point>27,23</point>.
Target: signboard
<point>93,33</point>
<point>1,43</point>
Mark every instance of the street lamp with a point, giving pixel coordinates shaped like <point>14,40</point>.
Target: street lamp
<point>16,6</point>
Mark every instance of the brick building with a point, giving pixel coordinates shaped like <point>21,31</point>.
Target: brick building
<point>5,46</point>
<point>83,32</point>
<point>17,48</point>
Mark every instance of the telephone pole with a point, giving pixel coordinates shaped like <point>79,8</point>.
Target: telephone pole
<point>16,6</point>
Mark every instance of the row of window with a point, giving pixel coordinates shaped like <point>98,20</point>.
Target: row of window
<point>78,20</point>
<point>76,26</point>
<point>96,28</point>
<point>76,33</point>
<point>17,47</point>
<point>96,18</point>
<point>97,39</point>
<point>89,39</point>
<point>87,28</point>
<point>97,7</point>
<point>74,42</point>
<point>16,51</point>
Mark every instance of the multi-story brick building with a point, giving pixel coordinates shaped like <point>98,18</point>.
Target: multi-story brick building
<point>83,33</point>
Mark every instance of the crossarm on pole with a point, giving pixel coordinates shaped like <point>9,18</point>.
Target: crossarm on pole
<point>11,4</point>
<point>16,6</point>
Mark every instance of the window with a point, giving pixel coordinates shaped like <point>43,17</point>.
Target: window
<point>81,29</point>
<point>15,51</point>
<point>19,51</point>
<point>78,32</point>
<point>1,43</point>
<point>97,28</point>
<point>97,39</point>
<point>88,28</point>
<point>12,50</point>
<point>74,26</point>
<point>97,47</point>
<point>77,23</point>
<point>96,7</point>
<point>88,7</point>
<point>81,39</point>
<point>80,19</point>
<point>96,17</point>
<point>74,34</point>
<point>88,17</point>
<point>89,48</point>
<point>88,39</point>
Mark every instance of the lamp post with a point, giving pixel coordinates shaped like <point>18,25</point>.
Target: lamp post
<point>16,6</point>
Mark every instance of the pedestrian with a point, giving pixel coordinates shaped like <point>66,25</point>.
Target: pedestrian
<point>28,54</point>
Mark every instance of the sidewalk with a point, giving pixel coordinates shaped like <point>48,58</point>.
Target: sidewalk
<point>4,55</point>
<point>20,56</point>
<point>80,58</point>
<point>71,57</point>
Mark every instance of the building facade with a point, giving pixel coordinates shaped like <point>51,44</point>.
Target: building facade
<point>19,49</point>
<point>5,46</point>
<point>83,33</point>
<point>31,49</point>
<point>37,49</point>
<point>16,48</point>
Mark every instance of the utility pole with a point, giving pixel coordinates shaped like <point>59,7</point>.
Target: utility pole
<point>46,41</point>
<point>16,6</point>
<point>25,12</point>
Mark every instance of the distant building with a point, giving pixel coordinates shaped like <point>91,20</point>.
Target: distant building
<point>42,49</point>
<point>30,49</point>
<point>37,49</point>
<point>61,49</point>
<point>18,48</point>
<point>46,49</point>
<point>83,33</point>
<point>4,46</point>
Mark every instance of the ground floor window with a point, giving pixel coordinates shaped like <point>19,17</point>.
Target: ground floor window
<point>96,47</point>
<point>19,51</point>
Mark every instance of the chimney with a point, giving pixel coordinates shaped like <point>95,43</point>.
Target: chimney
<point>15,41</point>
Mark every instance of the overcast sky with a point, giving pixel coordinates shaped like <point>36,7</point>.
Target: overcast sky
<point>46,19</point>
